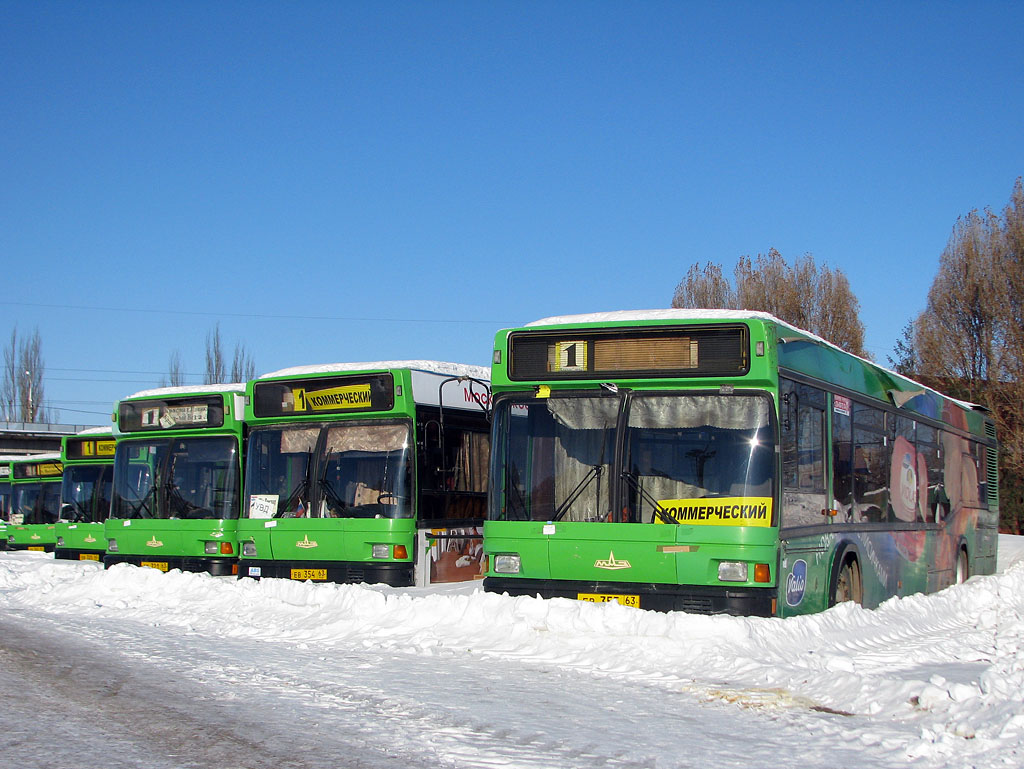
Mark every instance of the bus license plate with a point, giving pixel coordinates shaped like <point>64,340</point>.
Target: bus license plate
<point>625,600</point>
<point>303,574</point>
<point>161,565</point>
<point>88,556</point>
<point>37,548</point>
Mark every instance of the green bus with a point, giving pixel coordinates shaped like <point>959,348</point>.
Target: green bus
<point>726,462</point>
<point>35,502</point>
<point>5,499</point>
<point>88,459</point>
<point>366,472</point>
<point>178,479</point>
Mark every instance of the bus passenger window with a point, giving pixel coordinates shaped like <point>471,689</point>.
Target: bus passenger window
<point>803,454</point>
<point>870,464</point>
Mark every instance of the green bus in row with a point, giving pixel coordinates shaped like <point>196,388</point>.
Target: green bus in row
<point>88,459</point>
<point>35,502</point>
<point>177,479</point>
<point>726,462</point>
<point>5,499</point>
<point>366,472</point>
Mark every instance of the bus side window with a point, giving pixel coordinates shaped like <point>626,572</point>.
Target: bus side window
<point>930,474</point>
<point>842,460</point>
<point>803,454</point>
<point>870,464</point>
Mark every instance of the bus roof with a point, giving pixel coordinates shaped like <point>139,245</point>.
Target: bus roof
<point>94,431</point>
<point>626,316</point>
<point>433,367</point>
<point>160,392</point>
<point>47,457</point>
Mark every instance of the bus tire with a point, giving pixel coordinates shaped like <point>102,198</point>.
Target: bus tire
<point>962,570</point>
<point>847,584</point>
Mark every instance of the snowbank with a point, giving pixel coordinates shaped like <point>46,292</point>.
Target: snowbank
<point>949,665</point>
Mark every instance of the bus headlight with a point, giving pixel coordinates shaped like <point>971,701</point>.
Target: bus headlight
<point>381,551</point>
<point>211,548</point>
<point>732,571</point>
<point>248,549</point>
<point>111,545</point>
<point>60,541</point>
<point>506,563</point>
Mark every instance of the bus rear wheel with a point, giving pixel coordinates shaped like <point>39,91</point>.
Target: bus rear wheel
<point>848,583</point>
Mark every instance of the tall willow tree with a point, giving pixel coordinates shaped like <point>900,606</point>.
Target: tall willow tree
<point>969,339</point>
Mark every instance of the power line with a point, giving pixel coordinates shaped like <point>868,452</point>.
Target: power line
<point>250,315</point>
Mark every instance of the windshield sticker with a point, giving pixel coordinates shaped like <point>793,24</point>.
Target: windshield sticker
<point>184,415</point>
<point>262,505</point>
<point>332,399</point>
<point>719,511</point>
<point>841,405</point>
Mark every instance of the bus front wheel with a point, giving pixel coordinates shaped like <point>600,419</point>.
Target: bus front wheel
<point>848,585</point>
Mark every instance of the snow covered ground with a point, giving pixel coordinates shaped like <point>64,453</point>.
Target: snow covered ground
<point>134,668</point>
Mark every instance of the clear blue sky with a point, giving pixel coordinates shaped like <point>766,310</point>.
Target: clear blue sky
<point>345,181</point>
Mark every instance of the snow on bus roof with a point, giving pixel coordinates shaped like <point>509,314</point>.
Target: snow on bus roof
<point>431,366</point>
<point>716,314</point>
<point>159,392</point>
<point>94,431</point>
<point>49,456</point>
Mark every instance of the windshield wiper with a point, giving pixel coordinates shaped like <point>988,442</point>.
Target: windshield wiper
<point>144,504</point>
<point>332,496</point>
<point>295,494</point>
<point>659,511</point>
<point>592,473</point>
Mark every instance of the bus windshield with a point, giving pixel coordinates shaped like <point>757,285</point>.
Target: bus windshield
<point>85,495</point>
<point>558,455</point>
<point>176,478</point>
<point>35,503</point>
<point>350,470</point>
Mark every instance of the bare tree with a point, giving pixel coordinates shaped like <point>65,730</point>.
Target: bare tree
<point>9,403</point>
<point>704,287</point>
<point>819,300</point>
<point>243,367</point>
<point>175,370</point>
<point>969,340</point>
<point>904,358</point>
<point>22,393</point>
<point>215,369</point>
<point>30,363</point>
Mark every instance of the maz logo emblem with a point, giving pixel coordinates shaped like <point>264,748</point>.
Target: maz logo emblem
<point>611,563</point>
<point>305,544</point>
<point>154,542</point>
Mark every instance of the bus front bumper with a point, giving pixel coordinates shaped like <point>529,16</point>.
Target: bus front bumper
<point>344,572</point>
<point>694,599</point>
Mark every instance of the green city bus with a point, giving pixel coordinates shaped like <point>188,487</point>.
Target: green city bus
<point>366,472</point>
<point>178,479</point>
<point>726,462</point>
<point>35,502</point>
<point>5,499</point>
<point>88,459</point>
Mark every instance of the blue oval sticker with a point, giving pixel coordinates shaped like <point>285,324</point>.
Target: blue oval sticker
<point>796,583</point>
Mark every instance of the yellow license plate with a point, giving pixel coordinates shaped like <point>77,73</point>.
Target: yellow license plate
<point>37,548</point>
<point>309,573</point>
<point>88,556</point>
<point>625,600</point>
<point>161,565</point>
